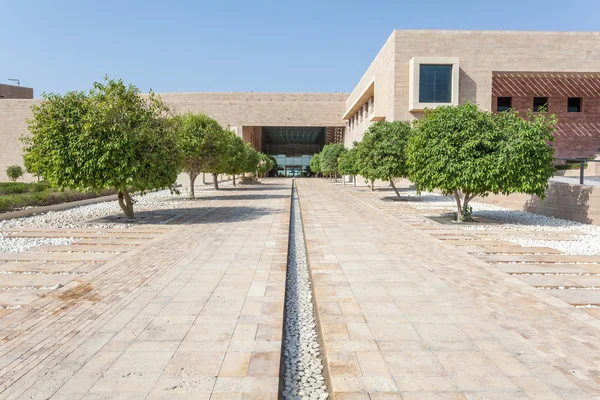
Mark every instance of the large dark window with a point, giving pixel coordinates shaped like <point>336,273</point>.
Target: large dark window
<point>504,103</point>
<point>539,103</point>
<point>574,104</point>
<point>435,83</point>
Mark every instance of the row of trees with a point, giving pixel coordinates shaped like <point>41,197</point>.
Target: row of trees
<point>111,136</point>
<point>461,151</point>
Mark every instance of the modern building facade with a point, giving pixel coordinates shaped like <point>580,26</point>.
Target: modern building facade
<point>414,70</point>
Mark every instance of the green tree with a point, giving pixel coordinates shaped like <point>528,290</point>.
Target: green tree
<point>109,137</point>
<point>236,159</point>
<point>382,152</point>
<point>466,152</point>
<point>329,161</point>
<point>348,163</point>
<point>191,129</point>
<point>14,172</point>
<point>215,149</point>
<point>315,164</point>
<point>265,164</point>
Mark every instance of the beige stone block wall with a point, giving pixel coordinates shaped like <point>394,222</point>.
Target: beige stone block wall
<point>383,64</point>
<point>264,109</point>
<point>572,202</point>
<point>13,123</point>
<point>481,52</point>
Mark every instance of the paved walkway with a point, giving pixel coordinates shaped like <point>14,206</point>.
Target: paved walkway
<point>195,313</point>
<point>406,316</point>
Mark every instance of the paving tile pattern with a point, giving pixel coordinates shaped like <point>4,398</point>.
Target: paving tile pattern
<point>406,315</point>
<point>194,313</point>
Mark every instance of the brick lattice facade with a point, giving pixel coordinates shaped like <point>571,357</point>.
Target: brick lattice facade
<point>577,133</point>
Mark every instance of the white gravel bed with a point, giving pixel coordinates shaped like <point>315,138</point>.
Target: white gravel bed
<point>24,244</point>
<point>587,236</point>
<point>302,364</point>
<point>77,216</point>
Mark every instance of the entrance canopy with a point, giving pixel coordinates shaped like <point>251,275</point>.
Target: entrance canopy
<point>293,141</point>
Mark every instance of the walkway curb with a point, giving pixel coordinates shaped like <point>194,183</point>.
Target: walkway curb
<point>55,207</point>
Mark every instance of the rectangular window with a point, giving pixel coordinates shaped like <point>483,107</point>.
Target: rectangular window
<point>504,103</point>
<point>435,83</point>
<point>539,103</point>
<point>574,104</point>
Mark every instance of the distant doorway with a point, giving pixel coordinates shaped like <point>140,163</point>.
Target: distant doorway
<point>293,171</point>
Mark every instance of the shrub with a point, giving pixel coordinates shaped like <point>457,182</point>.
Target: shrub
<point>14,172</point>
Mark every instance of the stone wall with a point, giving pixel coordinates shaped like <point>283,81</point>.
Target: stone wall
<point>577,133</point>
<point>572,202</point>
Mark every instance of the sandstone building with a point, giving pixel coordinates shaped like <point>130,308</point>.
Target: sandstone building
<point>414,69</point>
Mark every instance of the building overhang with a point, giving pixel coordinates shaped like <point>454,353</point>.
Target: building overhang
<point>375,88</point>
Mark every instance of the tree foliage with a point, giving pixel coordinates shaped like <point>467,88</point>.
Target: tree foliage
<point>14,172</point>
<point>191,129</point>
<point>382,152</point>
<point>329,158</point>
<point>467,152</point>
<point>315,164</point>
<point>348,163</point>
<point>108,137</point>
<point>265,164</point>
<point>236,160</point>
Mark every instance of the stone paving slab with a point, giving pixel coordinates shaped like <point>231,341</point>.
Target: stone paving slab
<point>406,316</point>
<point>564,280</point>
<point>532,267</point>
<point>196,313</point>
<point>577,297</point>
<point>118,242</point>
<point>111,248</point>
<point>55,257</point>
<point>47,267</point>
<point>554,258</point>
<point>104,234</point>
<point>510,250</point>
<point>482,243</point>
<point>35,279</point>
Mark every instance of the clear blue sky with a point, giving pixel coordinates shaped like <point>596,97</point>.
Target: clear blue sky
<point>222,45</point>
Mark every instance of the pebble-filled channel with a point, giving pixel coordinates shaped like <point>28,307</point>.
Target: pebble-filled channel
<point>302,366</point>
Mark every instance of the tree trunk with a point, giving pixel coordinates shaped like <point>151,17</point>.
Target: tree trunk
<point>465,206</point>
<point>343,180</point>
<point>192,180</point>
<point>395,189</point>
<point>458,206</point>
<point>354,179</point>
<point>216,181</point>
<point>125,203</point>
<point>372,186</point>
<point>233,179</point>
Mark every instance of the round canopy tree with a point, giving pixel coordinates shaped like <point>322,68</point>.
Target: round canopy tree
<point>315,164</point>
<point>466,152</point>
<point>330,154</point>
<point>382,152</point>
<point>348,163</point>
<point>192,130</point>
<point>236,160</point>
<point>108,137</point>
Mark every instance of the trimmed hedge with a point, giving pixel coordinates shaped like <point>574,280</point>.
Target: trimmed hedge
<point>42,197</point>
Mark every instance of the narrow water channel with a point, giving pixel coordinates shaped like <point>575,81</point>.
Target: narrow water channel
<point>302,374</point>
